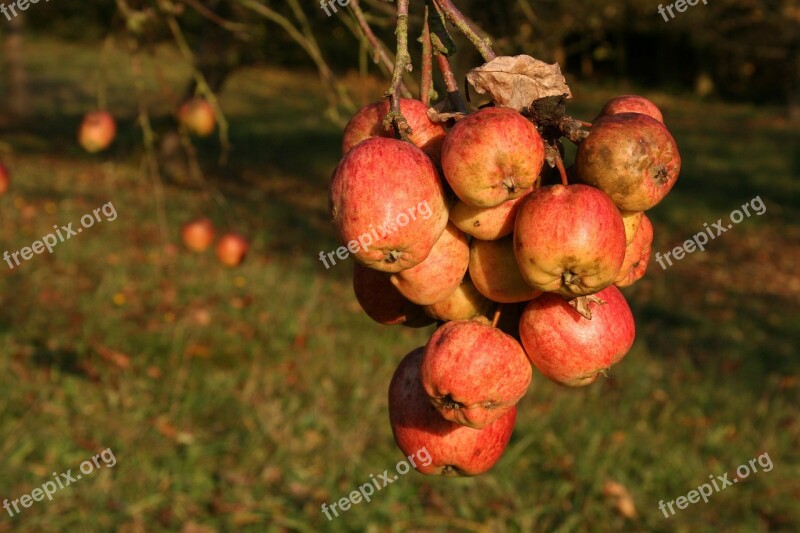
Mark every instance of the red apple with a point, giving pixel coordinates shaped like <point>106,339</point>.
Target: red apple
<point>570,349</point>
<point>631,103</point>
<point>569,239</point>
<point>637,255</point>
<point>440,274</point>
<point>632,220</point>
<point>488,223</point>
<point>198,234</point>
<point>5,179</point>
<point>198,117</point>
<point>97,131</point>
<point>368,123</point>
<point>492,156</point>
<point>494,270</point>
<point>453,449</point>
<point>388,204</point>
<point>382,302</point>
<point>631,157</point>
<point>474,373</point>
<point>232,249</point>
<point>465,303</point>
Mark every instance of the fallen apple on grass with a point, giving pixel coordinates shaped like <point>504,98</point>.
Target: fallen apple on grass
<point>97,131</point>
<point>198,117</point>
<point>198,235</point>
<point>232,249</point>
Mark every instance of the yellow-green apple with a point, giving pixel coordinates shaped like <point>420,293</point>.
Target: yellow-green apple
<point>569,239</point>
<point>198,117</point>
<point>492,156</point>
<point>631,103</point>
<point>232,249</point>
<point>453,449</point>
<point>440,274</point>
<point>495,273</point>
<point>198,234</point>
<point>368,122</point>
<point>631,157</point>
<point>465,303</point>
<point>473,373</point>
<point>97,131</point>
<point>387,204</point>
<point>637,255</point>
<point>489,223</point>
<point>382,302</point>
<point>631,219</point>
<point>5,179</point>
<point>570,349</point>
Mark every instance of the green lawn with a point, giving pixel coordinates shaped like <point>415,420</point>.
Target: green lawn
<point>242,400</point>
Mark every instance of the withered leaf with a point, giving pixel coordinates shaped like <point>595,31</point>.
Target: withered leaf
<point>443,111</point>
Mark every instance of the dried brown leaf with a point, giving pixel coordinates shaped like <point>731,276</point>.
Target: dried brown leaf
<point>443,111</point>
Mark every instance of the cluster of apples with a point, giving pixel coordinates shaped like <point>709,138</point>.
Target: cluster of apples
<point>198,235</point>
<point>544,261</point>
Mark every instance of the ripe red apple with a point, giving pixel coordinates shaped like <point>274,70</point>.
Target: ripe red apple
<point>495,273</point>
<point>382,302</point>
<point>388,204</point>
<point>569,239</point>
<point>198,234</point>
<point>632,220</point>
<point>492,156</point>
<point>570,349</point>
<point>454,450</point>
<point>474,373</point>
<point>232,249</point>
<point>637,255</point>
<point>368,122</point>
<point>198,117</point>
<point>631,157</point>
<point>440,274</point>
<point>5,179</point>
<point>465,303</point>
<point>631,103</point>
<point>97,131</point>
<point>488,223</point>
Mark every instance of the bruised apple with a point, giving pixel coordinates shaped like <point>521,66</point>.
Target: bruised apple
<point>631,157</point>
<point>474,373</point>
<point>198,235</point>
<point>488,223</point>
<point>637,255</point>
<point>455,450</point>
<point>388,204</point>
<point>382,302</point>
<point>492,156</point>
<point>570,349</point>
<point>494,270</point>
<point>368,122</point>
<point>97,131</point>
<point>198,117</point>
<point>465,303</point>
<point>631,103</point>
<point>569,239</point>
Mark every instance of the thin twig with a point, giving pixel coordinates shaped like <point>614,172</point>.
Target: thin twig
<point>459,21</point>
<point>402,64</point>
<point>234,27</point>
<point>426,78</point>
<point>456,100</point>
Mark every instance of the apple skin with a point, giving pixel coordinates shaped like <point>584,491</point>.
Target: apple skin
<point>382,302</point>
<point>495,273</point>
<point>492,156</point>
<point>455,450</point>
<point>490,223</point>
<point>198,235</point>
<point>375,184</point>
<point>465,303</point>
<point>232,249</point>
<point>631,103</point>
<point>632,220</point>
<point>5,179</point>
<point>474,373</point>
<point>368,123</point>
<point>637,255</point>
<point>198,117</point>
<point>97,131</point>
<point>631,157</point>
<point>440,274</point>
<point>570,349</point>
<point>569,239</point>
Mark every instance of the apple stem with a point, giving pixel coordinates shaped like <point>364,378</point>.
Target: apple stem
<point>561,170</point>
<point>458,19</point>
<point>426,78</point>
<point>584,124</point>
<point>402,64</point>
<point>496,318</point>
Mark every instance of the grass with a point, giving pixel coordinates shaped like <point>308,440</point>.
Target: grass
<point>241,400</point>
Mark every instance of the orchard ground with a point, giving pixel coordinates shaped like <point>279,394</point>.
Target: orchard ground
<point>244,399</point>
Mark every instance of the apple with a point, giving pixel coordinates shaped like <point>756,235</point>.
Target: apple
<point>637,255</point>
<point>570,349</point>
<point>474,373</point>
<point>631,219</point>
<point>631,103</point>
<point>492,156</point>
<point>488,223</point>
<point>232,249</point>
<point>97,131</point>
<point>382,302</point>
<point>631,157</point>
<point>569,239</point>
<point>495,273</point>
<point>198,117</point>
<point>465,303</point>
<point>368,123</point>
<point>388,204</point>
<point>454,450</point>
<point>440,274</point>
<point>5,179</point>
<point>198,234</point>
